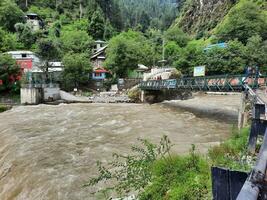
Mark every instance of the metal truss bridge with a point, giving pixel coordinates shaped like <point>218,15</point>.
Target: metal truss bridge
<point>226,83</point>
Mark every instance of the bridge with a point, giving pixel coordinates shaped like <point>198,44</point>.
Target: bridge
<point>226,83</point>
<point>228,184</point>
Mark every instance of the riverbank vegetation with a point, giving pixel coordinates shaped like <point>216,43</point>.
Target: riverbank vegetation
<point>155,173</point>
<point>4,108</point>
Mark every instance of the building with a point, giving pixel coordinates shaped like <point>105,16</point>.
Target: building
<point>98,58</point>
<point>30,63</point>
<point>34,21</point>
<point>27,60</point>
<point>99,74</point>
<point>218,45</point>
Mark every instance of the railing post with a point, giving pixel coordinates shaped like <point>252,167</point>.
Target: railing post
<point>251,188</point>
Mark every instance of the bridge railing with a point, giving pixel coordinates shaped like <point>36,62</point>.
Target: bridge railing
<point>253,188</point>
<point>207,83</point>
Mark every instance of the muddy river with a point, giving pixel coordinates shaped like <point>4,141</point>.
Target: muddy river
<point>48,152</point>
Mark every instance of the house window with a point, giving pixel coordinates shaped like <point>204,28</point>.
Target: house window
<point>97,74</point>
<point>24,55</point>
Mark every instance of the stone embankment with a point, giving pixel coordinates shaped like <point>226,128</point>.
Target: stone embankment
<point>110,97</point>
<point>102,97</point>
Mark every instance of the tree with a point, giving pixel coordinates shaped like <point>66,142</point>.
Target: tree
<point>8,41</point>
<point>156,40</point>
<point>144,21</point>
<point>256,51</point>
<point>96,26</point>
<point>229,60</point>
<point>9,72</point>
<point>10,14</point>
<point>76,41</point>
<point>172,52</point>
<point>126,51</point>
<point>156,14</point>
<point>77,68</point>
<point>47,51</point>
<point>177,35</point>
<point>25,35</point>
<point>109,30</point>
<point>244,21</point>
<point>189,57</point>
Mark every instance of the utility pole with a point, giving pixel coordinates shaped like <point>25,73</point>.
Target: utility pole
<point>26,3</point>
<point>163,51</point>
<point>163,61</point>
<point>81,10</point>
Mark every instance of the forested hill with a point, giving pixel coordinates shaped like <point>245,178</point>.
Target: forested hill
<point>121,14</point>
<point>149,13</point>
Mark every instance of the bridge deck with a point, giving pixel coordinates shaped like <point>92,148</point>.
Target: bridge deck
<point>208,83</point>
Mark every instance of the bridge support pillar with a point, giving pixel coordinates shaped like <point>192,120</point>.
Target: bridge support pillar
<point>242,114</point>
<point>142,98</point>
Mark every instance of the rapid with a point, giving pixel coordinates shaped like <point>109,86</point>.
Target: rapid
<point>49,152</point>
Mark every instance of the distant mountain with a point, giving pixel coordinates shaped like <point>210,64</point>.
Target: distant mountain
<point>148,13</point>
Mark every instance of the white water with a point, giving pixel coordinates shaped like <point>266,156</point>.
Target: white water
<point>48,152</point>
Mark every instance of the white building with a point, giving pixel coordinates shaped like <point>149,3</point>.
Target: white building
<point>34,21</point>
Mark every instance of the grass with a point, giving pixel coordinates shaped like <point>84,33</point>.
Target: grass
<point>3,108</point>
<point>180,177</point>
<point>233,152</point>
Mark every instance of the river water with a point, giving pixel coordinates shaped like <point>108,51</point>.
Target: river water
<point>48,152</point>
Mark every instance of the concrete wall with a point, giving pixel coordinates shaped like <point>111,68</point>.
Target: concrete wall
<point>51,94</point>
<point>30,95</point>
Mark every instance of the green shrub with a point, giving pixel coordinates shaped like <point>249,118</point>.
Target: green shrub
<point>3,108</point>
<point>135,94</point>
<point>131,172</point>
<point>231,153</point>
<point>179,177</point>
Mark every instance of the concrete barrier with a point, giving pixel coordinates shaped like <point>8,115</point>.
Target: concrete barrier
<point>51,93</point>
<point>31,96</point>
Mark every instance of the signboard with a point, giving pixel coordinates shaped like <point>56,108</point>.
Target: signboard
<point>199,71</point>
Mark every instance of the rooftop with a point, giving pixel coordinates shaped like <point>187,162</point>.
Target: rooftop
<point>20,52</point>
<point>99,51</point>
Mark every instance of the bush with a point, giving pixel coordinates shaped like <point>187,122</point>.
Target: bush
<point>232,153</point>
<point>134,95</point>
<point>132,172</point>
<point>3,108</point>
<point>179,177</point>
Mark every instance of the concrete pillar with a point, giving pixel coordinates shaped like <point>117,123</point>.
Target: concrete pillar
<point>30,95</point>
<point>142,96</point>
<point>241,112</point>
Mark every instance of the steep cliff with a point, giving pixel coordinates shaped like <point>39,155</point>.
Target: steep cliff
<point>198,17</point>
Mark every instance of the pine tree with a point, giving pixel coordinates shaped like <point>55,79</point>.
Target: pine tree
<point>96,26</point>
